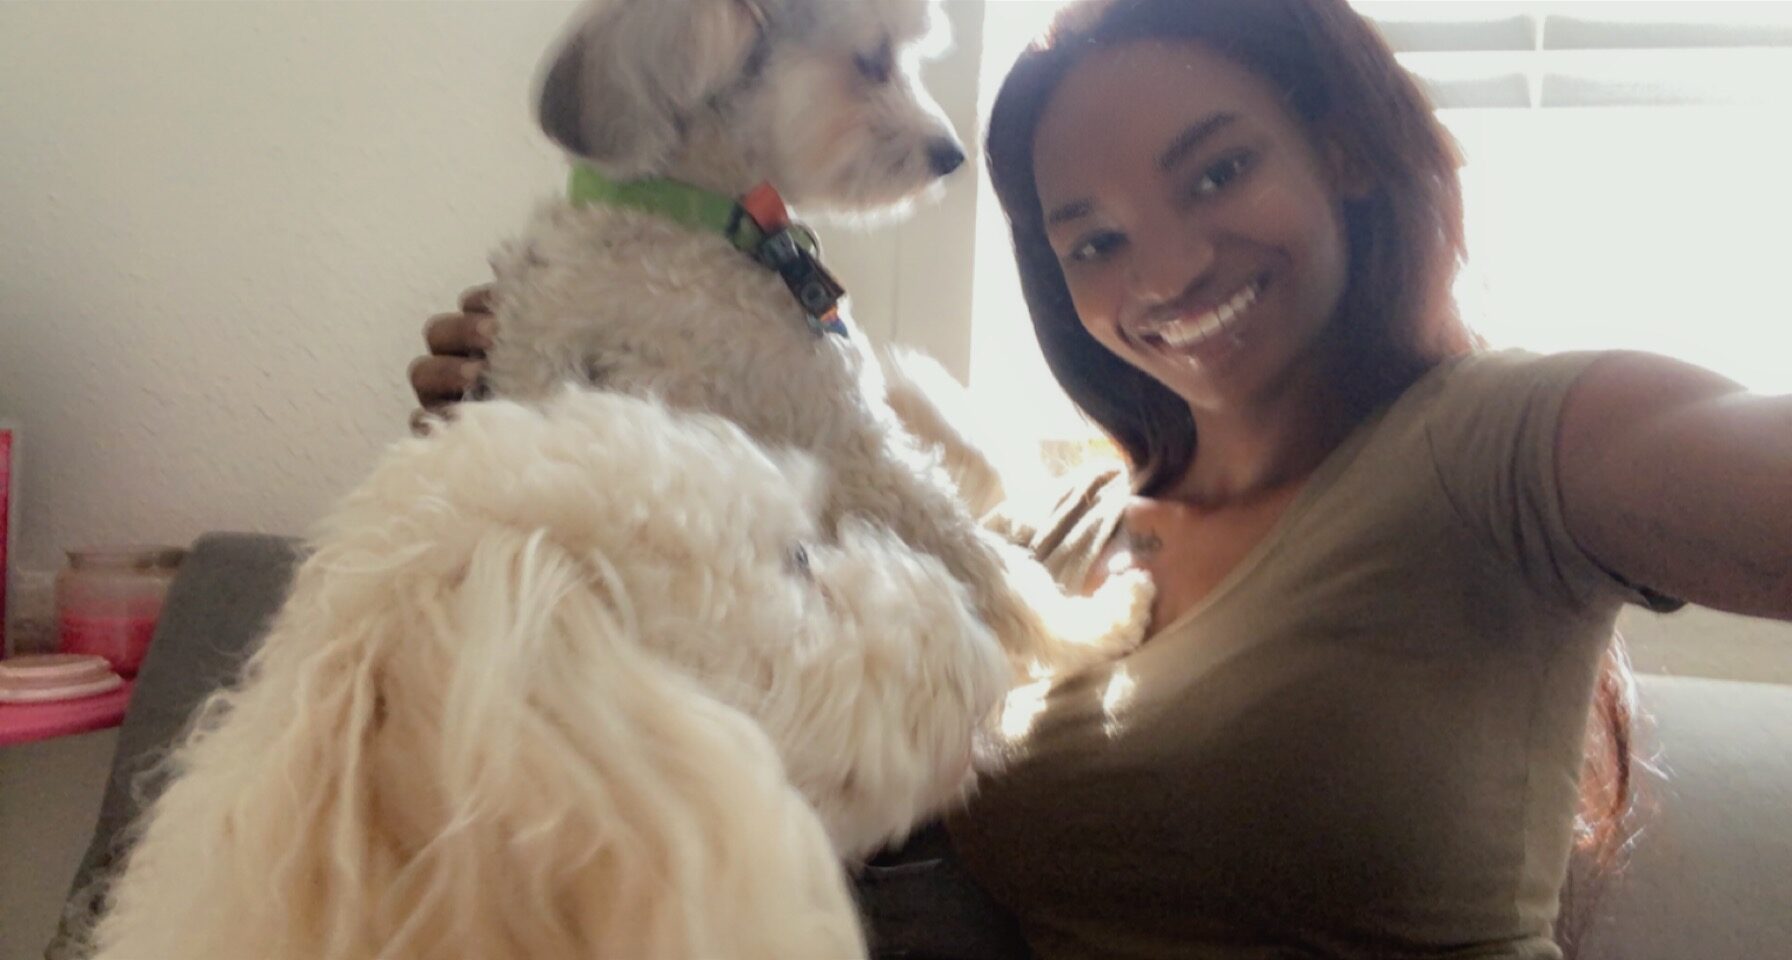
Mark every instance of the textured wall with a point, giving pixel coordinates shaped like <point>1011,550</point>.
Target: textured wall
<point>222,226</point>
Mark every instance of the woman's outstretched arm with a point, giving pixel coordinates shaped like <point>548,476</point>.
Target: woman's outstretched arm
<point>1678,479</point>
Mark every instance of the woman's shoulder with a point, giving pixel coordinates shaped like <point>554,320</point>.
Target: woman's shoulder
<point>1469,400</point>
<point>1485,426</point>
<point>1488,411</point>
<point>1504,376</point>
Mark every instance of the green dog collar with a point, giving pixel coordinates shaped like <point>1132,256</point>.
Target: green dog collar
<point>678,202</point>
<point>756,225</point>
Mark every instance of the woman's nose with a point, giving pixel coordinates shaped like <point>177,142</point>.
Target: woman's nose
<point>1170,263</point>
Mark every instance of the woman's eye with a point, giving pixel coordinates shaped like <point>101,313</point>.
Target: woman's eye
<point>1094,248</point>
<point>877,65</point>
<point>1216,177</point>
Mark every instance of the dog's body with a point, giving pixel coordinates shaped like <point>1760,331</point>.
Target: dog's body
<point>633,302</point>
<point>545,690</point>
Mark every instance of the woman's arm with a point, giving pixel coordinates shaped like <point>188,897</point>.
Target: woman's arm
<point>1677,479</point>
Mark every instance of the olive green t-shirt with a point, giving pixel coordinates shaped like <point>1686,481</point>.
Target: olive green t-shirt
<point>1365,742</point>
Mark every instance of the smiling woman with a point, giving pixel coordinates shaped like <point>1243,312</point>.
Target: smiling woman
<point>1388,561</point>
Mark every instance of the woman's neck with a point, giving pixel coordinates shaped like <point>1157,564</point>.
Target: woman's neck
<point>1268,444</point>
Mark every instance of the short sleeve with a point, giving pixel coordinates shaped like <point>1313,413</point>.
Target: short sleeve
<point>1491,427</point>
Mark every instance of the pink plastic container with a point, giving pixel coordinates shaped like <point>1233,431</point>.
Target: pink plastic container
<point>108,600</point>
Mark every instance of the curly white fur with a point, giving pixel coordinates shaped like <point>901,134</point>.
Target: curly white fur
<point>543,689</point>
<point>632,302</point>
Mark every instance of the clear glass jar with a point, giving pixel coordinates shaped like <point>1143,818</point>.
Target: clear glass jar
<point>108,600</point>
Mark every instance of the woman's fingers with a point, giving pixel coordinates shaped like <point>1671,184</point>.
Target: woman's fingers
<point>476,299</point>
<point>457,344</point>
<point>459,334</point>
<point>443,380</point>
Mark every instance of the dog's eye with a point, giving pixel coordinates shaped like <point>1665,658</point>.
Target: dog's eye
<point>877,65</point>
<point>799,562</point>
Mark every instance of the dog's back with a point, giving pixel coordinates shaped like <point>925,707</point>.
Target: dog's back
<point>545,688</point>
<point>455,743</point>
<point>629,302</point>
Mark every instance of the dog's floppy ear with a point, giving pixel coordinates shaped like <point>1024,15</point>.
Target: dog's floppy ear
<point>616,91</point>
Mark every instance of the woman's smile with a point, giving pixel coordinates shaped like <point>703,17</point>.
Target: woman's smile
<point>1185,326</point>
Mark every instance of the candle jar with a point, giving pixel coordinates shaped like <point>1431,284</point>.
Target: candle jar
<point>109,598</point>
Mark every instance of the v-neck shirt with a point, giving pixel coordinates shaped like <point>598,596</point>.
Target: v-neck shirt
<point>1364,741</point>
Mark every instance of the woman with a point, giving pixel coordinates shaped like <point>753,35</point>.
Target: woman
<point>1389,564</point>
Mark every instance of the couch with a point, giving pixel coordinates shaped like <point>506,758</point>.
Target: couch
<point>1709,878</point>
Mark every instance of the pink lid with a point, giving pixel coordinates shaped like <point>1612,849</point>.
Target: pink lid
<point>55,676</point>
<point>27,722</point>
<point>40,667</point>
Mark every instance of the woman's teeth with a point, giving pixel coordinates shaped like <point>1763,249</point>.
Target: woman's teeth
<point>1188,331</point>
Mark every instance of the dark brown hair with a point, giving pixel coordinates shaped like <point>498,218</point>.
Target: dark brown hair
<point>1397,318</point>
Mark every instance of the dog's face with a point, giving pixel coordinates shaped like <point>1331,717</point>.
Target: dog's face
<point>841,112</point>
<point>819,97</point>
<point>861,658</point>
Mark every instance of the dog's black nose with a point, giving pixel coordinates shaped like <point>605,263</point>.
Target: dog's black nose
<point>944,156</point>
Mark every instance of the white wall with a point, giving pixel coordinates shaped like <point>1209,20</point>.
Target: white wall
<point>223,223</point>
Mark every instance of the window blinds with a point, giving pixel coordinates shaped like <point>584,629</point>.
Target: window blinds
<point>1472,54</point>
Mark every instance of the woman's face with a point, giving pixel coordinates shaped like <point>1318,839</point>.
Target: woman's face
<point>1199,227</point>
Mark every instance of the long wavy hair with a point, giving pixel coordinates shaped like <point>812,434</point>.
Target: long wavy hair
<point>1397,318</point>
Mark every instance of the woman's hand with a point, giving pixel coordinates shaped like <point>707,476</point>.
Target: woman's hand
<point>457,343</point>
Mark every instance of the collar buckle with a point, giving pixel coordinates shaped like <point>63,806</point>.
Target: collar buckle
<point>791,252</point>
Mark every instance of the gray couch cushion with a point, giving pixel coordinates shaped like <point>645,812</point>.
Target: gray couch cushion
<point>228,588</point>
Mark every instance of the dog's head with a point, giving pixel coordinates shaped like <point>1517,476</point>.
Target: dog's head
<point>819,97</point>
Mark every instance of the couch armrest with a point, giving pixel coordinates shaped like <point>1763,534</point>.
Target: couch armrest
<point>228,588</point>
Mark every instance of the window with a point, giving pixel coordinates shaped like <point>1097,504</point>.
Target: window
<point>1627,181</point>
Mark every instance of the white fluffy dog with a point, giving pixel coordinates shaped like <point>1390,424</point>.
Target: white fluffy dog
<point>544,689</point>
<point>672,106</point>
<point>583,677</point>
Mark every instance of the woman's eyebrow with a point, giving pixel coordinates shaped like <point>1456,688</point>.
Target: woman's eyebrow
<point>1068,212</point>
<point>1186,141</point>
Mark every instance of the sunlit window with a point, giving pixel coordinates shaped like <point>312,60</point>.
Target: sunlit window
<point>1627,181</point>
